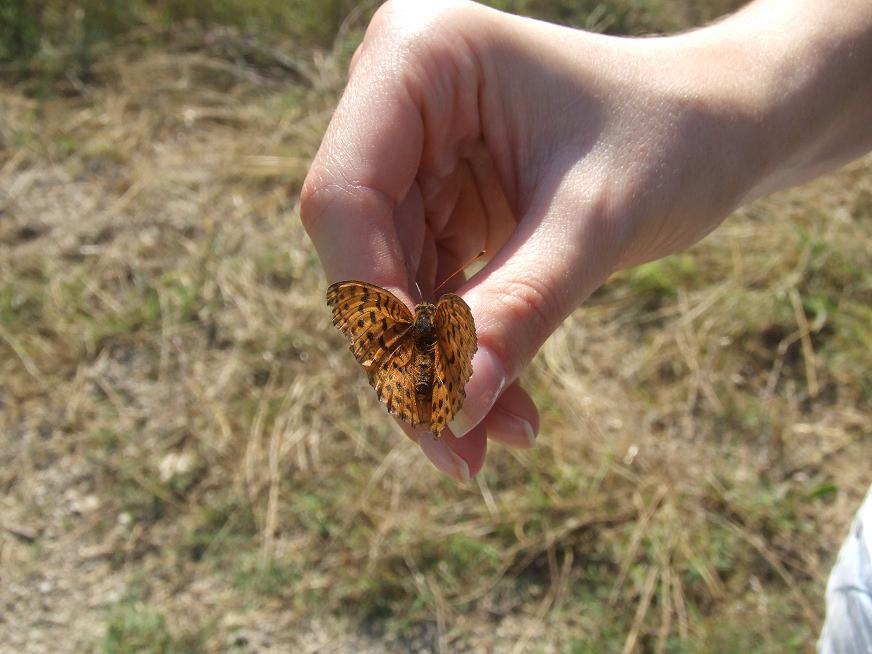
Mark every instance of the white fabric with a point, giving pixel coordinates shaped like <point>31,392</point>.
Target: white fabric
<point>848,625</point>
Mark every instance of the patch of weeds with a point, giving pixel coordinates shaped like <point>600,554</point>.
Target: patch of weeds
<point>568,480</point>
<point>744,417</point>
<point>728,632</point>
<point>312,21</point>
<point>181,291</point>
<point>134,626</point>
<point>852,320</point>
<point>218,530</point>
<point>317,513</point>
<point>605,629</point>
<point>818,308</point>
<point>64,146</point>
<point>105,440</point>
<point>460,561</point>
<point>410,623</point>
<point>101,157</point>
<point>834,264</point>
<point>861,208</point>
<point>137,309</point>
<point>381,595</point>
<point>388,593</point>
<point>659,281</point>
<point>128,480</point>
<point>773,509</point>
<point>848,353</point>
<point>608,640</point>
<point>543,394</point>
<point>276,268</point>
<point>753,315</point>
<point>320,19</point>
<point>145,500</point>
<point>290,101</point>
<point>70,294</point>
<point>137,627</point>
<point>278,578</point>
<point>21,305</point>
<point>825,491</point>
<point>718,549</point>
<point>19,30</point>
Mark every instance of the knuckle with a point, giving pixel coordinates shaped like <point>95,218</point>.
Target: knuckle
<point>519,317</point>
<point>529,304</point>
<point>409,23</point>
<point>313,198</point>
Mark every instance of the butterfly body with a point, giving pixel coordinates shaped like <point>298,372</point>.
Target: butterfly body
<point>424,329</point>
<point>417,363</point>
<point>424,337</point>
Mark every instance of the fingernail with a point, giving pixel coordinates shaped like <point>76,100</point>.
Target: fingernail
<point>531,435</point>
<point>507,428</point>
<point>527,430</point>
<point>482,390</point>
<point>444,458</point>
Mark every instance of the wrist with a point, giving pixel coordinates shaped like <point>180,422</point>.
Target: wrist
<point>800,75</point>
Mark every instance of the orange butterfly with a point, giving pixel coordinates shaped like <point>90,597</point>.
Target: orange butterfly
<point>418,365</point>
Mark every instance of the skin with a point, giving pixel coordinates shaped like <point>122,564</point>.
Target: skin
<point>567,156</point>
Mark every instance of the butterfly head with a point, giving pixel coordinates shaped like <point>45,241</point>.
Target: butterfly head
<point>424,326</point>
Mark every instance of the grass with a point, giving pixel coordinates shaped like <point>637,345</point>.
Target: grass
<point>136,627</point>
<point>191,462</point>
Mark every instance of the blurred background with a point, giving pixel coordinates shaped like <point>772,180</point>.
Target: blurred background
<point>191,461</point>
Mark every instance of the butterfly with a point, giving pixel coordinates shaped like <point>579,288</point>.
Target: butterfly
<point>418,364</point>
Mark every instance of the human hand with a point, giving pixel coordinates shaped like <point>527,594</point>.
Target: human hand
<point>565,155</point>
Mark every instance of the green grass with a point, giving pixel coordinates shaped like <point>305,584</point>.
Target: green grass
<point>135,626</point>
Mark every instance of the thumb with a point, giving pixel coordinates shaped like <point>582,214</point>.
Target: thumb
<point>550,264</point>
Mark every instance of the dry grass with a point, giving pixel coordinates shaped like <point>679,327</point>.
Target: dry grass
<point>191,461</point>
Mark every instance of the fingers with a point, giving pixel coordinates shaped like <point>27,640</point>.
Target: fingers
<point>489,379</point>
<point>362,173</point>
<point>560,252</point>
<point>460,459</point>
<point>513,421</point>
<point>392,125</point>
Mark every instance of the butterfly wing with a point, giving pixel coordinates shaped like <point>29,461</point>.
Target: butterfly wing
<point>372,319</point>
<point>395,384</point>
<point>377,325</point>
<point>455,346</point>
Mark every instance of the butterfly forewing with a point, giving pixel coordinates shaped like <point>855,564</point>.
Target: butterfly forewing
<point>373,319</point>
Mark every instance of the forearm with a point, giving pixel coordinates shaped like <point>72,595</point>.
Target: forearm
<point>807,68</point>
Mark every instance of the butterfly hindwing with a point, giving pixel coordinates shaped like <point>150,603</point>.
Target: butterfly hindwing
<point>396,387</point>
<point>455,346</point>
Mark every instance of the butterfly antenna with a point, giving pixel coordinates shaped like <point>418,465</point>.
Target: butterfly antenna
<point>459,270</point>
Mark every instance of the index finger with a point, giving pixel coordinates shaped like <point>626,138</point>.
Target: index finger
<point>362,174</point>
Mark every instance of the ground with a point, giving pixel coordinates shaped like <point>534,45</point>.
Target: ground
<point>191,461</point>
